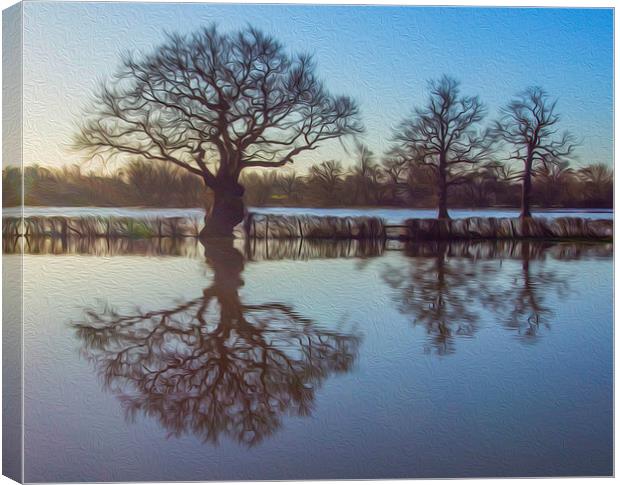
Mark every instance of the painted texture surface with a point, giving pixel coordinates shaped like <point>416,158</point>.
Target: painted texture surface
<point>159,358</point>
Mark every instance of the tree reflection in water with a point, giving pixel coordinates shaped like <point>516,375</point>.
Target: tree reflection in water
<point>446,286</point>
<point>438,291</point>
<point>216,366</point>
<point>522,306</point>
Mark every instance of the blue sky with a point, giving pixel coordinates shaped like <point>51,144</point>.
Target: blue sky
<point>382,56</point>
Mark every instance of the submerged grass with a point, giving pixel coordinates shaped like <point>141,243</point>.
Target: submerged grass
<point>94,227</point>
<point>259,226</point>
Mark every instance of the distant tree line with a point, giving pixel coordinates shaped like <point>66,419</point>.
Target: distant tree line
<point>365,181</point>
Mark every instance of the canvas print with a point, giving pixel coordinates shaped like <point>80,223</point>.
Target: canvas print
<point>286,242</point>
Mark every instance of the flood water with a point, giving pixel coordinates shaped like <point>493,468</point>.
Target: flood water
<point>390,214</point>
<point>166,360</point>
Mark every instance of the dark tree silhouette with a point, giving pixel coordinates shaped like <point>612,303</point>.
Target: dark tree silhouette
<point>327,178</point>
<point>529,126</point>
<point>444,136</point>
<point>598,181</point>
<point>553,183</point>
<point>216,104</point>
<point>394,168</point>
<point>216,366</point>
<point>288,185</point>
<point>483,184</point>
<point>366,176</point>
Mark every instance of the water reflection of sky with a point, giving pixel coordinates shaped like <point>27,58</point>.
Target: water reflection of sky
<point>479,402</point>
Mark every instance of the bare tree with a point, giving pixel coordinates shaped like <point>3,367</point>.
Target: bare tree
<point>366,176</point>
<point>529,125</point>
<point>327,177</point>
<point>482,185</point>
<point>394,168</point>
<point>553,184</point>
<point>216,104</point>
<point>443,135</point>
<point>598,182</point>
<point>288,184</point>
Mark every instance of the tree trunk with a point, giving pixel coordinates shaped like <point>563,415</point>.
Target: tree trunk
<point>442,212</point>
<point>227,210</point>
<point>526,190</point>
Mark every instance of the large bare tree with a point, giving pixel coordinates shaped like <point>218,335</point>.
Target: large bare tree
<point>443,135</point>
<point>216,104</point>
<point>529,125</point>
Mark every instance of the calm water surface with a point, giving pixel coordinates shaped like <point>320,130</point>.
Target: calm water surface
<point>166,360</point>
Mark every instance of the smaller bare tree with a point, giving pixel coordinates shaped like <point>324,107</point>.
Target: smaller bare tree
<point>327,177</point>
<point>288,184</point>
<point>529,125</point>
<point>366,175</point>
<point>598,182</point>
<point>444,136</point>
<point>395,169</point>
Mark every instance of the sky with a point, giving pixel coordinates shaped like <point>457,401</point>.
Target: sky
<point>381,56</point>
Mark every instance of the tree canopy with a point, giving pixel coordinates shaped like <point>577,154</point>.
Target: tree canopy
<point>444,136</point>
<point>528,126</point>
<point>215,103</point>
